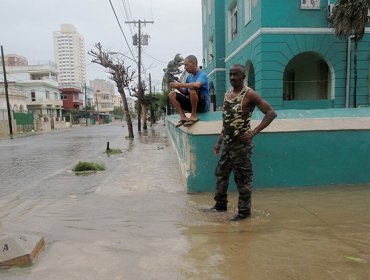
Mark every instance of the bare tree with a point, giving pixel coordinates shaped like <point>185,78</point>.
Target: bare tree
<point>120,74</point>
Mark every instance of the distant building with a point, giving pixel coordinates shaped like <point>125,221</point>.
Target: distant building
<point>89,97</point>
<point>73,98</point>
<point>17,99</point>
<point>15,60</point>
<point>38,83</point>
<point>289,49</point>
<point>131,103</point>
<point>69,53</point>
<point>104,93</point>
<point>117,101</point>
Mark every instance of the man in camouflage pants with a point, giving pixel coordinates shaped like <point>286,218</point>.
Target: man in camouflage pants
<point>237,135</point>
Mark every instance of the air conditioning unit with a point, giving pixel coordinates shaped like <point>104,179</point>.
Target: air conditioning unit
<point>331,8</point>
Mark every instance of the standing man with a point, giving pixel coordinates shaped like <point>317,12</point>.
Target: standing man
<point>239,103</point>
<point>193,95</point>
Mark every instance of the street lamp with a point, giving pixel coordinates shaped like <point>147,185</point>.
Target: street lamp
<point>114,53</point>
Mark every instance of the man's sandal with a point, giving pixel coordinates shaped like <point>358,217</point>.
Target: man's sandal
<point>180,123</point>
<point>190,122</point>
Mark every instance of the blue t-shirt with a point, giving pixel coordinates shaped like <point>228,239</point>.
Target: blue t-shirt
<point>201,77</point>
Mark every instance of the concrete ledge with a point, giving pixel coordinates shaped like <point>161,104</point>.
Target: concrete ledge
<point>300,148</point>
<point>290,120</point>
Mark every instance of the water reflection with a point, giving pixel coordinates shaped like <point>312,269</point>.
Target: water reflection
<point>136,221</point>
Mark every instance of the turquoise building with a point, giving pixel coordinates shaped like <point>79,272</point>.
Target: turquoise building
<point>294,60</point>
<point>291,54</point>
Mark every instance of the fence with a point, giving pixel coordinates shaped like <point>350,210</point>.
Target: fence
<point>24,121</point>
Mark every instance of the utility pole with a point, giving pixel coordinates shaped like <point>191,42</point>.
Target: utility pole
<point>7,94</point>
<point>97,105</point>
<point>151,100</point>
<point>85,105</point>
<point>140,88</point>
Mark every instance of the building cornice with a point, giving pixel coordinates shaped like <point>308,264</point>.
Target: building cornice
<point>282,30</point>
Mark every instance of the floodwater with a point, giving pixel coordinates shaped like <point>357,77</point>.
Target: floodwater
<point>136,221</point>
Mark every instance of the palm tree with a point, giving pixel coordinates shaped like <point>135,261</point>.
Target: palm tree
<point>349,18</point>
<point>172,72</point>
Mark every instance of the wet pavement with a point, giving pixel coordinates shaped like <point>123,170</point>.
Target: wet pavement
<point>136,221</point>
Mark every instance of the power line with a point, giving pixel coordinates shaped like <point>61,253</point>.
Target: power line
<point>155,58</point>
<point>122,31</point>
<point>129,8</point>
<point>128,15</point>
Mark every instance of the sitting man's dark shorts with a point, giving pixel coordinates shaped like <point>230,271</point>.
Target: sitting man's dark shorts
<point>185,103</point>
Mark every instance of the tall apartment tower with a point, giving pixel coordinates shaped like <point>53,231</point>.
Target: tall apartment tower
<point>69,53</point>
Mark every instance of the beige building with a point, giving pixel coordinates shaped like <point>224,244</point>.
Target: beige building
<point>17,98</point>
<point>117,101</point>
<point>15,60</point>
<point>104,94</point>
<point>69,53</point>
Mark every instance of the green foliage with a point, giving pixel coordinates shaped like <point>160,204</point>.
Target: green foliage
<point>75,114</point>
<point>350,18</point>
<point>88,166</point>
<point>172,72</point>
<point>118,111</point>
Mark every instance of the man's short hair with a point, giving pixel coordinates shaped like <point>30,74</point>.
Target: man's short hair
<point>192,58</point>
<point>240,66</point>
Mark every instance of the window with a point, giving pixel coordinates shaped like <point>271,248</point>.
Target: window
<point>33,95</point>
<point>310,4</point>
<point>47,93</point>
<point>233,15</point>
<point>247,15</point>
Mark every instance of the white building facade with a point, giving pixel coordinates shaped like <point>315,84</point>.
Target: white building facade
<point>37,86</point>
<point>69,54</point>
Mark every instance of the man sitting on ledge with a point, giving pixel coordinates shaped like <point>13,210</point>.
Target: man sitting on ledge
<point>193,95</point>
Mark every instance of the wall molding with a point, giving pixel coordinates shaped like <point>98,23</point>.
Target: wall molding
<point>282,30</point>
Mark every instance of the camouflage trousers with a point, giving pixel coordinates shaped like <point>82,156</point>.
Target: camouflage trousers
<point>236,158</point>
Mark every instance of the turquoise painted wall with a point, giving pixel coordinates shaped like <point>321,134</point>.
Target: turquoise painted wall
<point>283,159</point>
<point>312,158</point>
<point>291,160</point>
<point>214,28</point>
<point>270,53</point>
<point>278,13</point>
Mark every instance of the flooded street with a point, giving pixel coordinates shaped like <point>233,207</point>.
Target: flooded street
<point>135,220</point>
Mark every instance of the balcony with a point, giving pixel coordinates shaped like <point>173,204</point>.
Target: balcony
<point>41,102</point>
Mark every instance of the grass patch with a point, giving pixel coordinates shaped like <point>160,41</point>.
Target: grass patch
<point>82,166</point>
<point>113,151</point>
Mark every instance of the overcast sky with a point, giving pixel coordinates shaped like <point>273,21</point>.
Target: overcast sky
<point>27,26</point>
